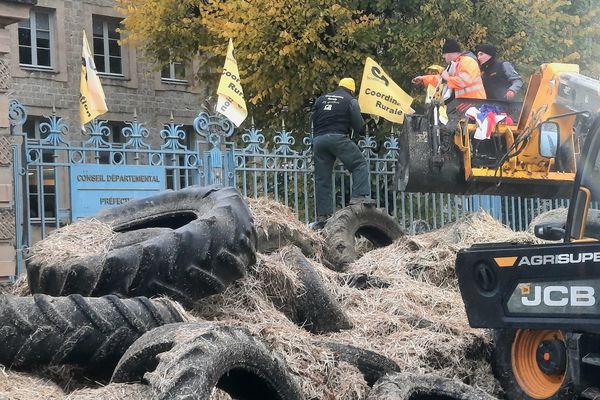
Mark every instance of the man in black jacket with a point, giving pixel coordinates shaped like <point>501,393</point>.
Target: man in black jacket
<point>334,116</point>
<point>500,80</point>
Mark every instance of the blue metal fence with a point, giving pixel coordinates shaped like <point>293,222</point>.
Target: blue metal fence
<point>214,153</point>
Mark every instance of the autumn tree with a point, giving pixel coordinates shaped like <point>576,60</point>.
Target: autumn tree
<point>289,51</point>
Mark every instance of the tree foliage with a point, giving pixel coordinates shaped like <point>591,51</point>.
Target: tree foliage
<point>290,51</point>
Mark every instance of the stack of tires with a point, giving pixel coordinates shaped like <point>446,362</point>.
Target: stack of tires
<point>95,312</point>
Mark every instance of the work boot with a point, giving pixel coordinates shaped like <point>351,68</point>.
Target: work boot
<point>367,201</point>
<point>319,224</point>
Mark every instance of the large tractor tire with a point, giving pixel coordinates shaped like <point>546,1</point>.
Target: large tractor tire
<point>532,364</point>
<point>342,229</point>
<point>89,332</point>
<point>187,244</point>
<point>407,386</point>
<point>316,309</point>
<point>190,360</point>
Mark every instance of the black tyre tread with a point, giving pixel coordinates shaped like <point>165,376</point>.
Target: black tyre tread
<point>199,258</point>
<point>187,360</point>
<point>371,364</point>
<point>316,309</point>
<point>406,386</point>
<point>373,223</point>
<point>90,332</point>
<point>275,237</point>
<point>502,369</point>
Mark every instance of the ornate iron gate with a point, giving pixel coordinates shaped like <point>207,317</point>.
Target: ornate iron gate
<point>208,153</point>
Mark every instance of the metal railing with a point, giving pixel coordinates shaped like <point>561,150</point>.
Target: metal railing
<point>280,169</point>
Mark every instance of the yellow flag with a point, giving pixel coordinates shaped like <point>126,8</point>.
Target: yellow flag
<point>91,95</point>
<point>380,95</point>
<point>231,97</point>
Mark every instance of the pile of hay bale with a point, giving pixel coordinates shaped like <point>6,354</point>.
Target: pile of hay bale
<point>415,317</point>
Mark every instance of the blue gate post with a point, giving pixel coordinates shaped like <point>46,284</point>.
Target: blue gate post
<point>215,130</point>
<point>17,117</point>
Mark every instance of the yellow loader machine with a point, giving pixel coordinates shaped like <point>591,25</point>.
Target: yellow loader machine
<point>535,156</point>
<point>543,300</point>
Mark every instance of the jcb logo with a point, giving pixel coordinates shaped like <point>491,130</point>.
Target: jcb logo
<point>558,296</point>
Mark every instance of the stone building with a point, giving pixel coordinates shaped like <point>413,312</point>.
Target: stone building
<point>11,12</point>
<point>47,69</point>
<point>45,43</point>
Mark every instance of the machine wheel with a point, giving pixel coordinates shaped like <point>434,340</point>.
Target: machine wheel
<point>187,244</point>
<point>412,386</point>
<point>189,360</point>
<point>317,310</point>
<point>341,230</point>
<point>532,364</point>
<point>90,332</point>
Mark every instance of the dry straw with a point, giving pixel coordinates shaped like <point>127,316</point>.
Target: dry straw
<point>418,321</point>
<point>87,237</point>
<point>271,217</point>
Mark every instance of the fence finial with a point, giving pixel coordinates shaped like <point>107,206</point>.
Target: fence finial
<point>135,114</point>
<point>172,119</point>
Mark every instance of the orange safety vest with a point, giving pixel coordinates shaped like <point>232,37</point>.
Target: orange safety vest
<point>466,80</point>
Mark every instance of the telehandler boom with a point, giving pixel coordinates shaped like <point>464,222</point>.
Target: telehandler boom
<point>535,156</point>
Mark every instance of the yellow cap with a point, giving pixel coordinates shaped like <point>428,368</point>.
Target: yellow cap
<point>348,83</point>
<point>436,67</point>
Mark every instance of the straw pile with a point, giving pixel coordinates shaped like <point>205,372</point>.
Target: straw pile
<point>418,320</point>
<point>430,257</point>
<point>87,237</point>
<point>260,303</point>
<point>274,219</point>
<point>22,386</point>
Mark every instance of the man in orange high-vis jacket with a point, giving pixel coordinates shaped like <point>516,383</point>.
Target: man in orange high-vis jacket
<point>463,74</point>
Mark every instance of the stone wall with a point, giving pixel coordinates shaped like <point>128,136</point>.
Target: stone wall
<point>11,11</point>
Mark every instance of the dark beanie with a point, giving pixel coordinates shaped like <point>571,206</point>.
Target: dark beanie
<point>488,49</point>
<point>451,46</point>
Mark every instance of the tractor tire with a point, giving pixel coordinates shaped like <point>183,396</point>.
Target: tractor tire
<point>278,236</point>
<point>89,332</point>
<point>407,386</point>
<point>372,365</point>
<point>317,310</point>
<point>189,360</point>
<point>341,230</point>
<point>186,244</point>
<point>515,366</point>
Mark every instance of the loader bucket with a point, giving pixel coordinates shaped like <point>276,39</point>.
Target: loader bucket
<point>421,169</point>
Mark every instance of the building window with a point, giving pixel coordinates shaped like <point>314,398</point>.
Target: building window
<point>36,40</point>
<point>107,51</point>
<point>41,174</point>
<point>173,72</point>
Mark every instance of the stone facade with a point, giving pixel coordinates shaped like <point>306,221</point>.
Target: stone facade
<point>11,11</point>
<point>140,88</point>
